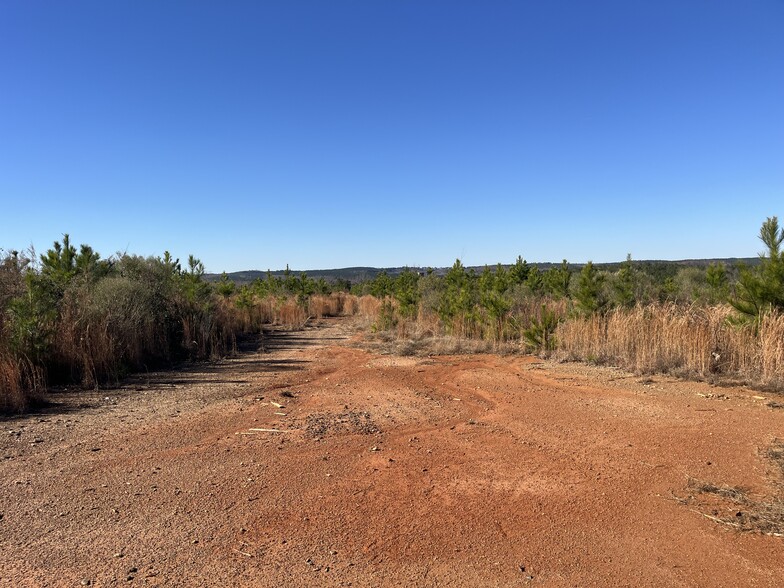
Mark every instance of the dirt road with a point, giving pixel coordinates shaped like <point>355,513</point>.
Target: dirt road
<point>317,463</point>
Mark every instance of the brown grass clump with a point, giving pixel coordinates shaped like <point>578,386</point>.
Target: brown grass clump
<point>390,343</point>
<point>289,314</point>
<point>689,341</point>
<point>335,304</point>
<point>209,336</point>
<point>265,309</point>
<point>771,348</point>
<point>275,310</point>
<point>13,397</point>
<point>321,306</point>
<point>369,307</point>
<point>350,304</point>
<point>736,507</point>
<point>21,383</point>
<point>427,323</point>
<point>106,331</point>
<point>367,311</point>
<point>683,340</point>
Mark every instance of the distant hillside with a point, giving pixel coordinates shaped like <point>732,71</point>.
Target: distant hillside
<point>352,274</point>
<point>361,274</point>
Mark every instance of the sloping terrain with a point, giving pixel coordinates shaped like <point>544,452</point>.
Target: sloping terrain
<point>313,462</point>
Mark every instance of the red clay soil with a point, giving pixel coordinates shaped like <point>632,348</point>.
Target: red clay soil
<point>475,470</point>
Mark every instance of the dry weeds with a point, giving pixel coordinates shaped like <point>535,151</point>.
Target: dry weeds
<point>21,383</point>
<point>423,344</point>
<point>320,306</point>
<point>736,507</point>
<point>686,341</point>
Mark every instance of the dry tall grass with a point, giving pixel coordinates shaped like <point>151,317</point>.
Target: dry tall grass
<point>681,340</point>
<point>480,325</point>
<point>335,304</point>
<point>21,383</point>
<point>368,310</point>
<point>288,313</point>
<point>268,310</point>
<point>350,304</point>
<point>692,341</point>
<point>103,333</point>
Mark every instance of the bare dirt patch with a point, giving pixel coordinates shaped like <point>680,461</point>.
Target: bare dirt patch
<point>314,462</point>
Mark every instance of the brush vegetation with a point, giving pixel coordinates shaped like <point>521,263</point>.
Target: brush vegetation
<point>69,316</point>
<point>715,322</point>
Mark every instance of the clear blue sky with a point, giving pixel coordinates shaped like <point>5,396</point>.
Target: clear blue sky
<point>403,132</point>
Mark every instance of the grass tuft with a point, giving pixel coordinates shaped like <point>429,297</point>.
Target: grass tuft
<point>736,507</point>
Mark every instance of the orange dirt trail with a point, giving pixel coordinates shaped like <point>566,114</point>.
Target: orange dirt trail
<point>387,471</point>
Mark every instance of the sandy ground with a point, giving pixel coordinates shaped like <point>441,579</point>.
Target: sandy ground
<point>387,471</point>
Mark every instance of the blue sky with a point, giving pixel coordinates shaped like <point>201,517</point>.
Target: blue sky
<point>404,132</point>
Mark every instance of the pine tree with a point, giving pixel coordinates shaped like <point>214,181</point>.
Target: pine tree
<point>590,290</point>
<point>624,284</point>
<point>557,280</point>
<point>519,271</point>
<point>762,288</point>
<point>718,284</point>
